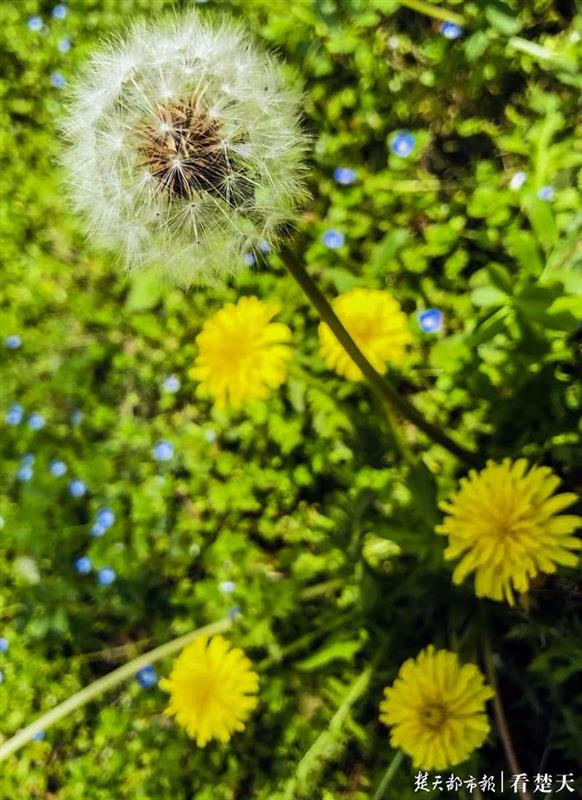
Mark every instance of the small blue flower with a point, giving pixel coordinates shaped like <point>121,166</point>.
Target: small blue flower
<point>76,417</point>
<point>345,175</point>
<point>25,473</point>
<point>4,644</point>
<point>234,612</point>
<point>450,31</point>
<point>333,239</point>
<point>64,45</point>
<point>227,587</point>
<point>35,23</point>
<point>106,576</point>
<point>14,414</point>
<point>13,342</point>
<point>431,320</point>
<point>38,736</point>
<point>57,80</point>
<point>83,565</point>
<point>163,451</point>
<point>60,11</point>
<point>98,530</point>
<point>249,259</point>
<point>36,422</point>
<point>146,677</point>
<point>517,180</point>
<point>264,246</point>
<point>28,459</point>
<point>77,488</point>
<point>1,676</point>
<point>403,143</point>
<point>58,468</point>
<point>105,517</point>
<point>210,436</point>
<point>171,384</point>
<point>546,193</point>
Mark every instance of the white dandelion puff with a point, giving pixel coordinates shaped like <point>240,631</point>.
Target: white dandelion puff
<point>184,147</point>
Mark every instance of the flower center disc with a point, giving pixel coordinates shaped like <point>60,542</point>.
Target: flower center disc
<point>434,716</point>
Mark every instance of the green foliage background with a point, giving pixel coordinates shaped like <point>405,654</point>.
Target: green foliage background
<point>299,499</point>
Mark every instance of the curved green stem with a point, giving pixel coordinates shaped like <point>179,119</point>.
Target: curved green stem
<point>436,12</point>
<point>388,775</point>
<point>382,385</point>
<point>105,683</point>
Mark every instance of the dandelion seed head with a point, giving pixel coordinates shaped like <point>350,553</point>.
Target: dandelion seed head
<point>184,147</point>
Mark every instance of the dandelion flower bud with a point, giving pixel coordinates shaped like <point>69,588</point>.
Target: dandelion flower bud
<point>184,147</point>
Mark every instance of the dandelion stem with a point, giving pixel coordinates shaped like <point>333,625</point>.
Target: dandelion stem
<point>500,720</point>
<point>382,385</point>
<point>436,12</point>
<point>388,775</point>
<point>105,683</point>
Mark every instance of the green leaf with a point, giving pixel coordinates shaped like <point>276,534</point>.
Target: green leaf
<point>501,18</point>
<point>500,277</point>
<point>490,327</point>
<point>522,246</point>
<point>147,290</point>
<point>542,219</point>
<point>385,251</point>
<point>485,296</point>
<point>422,485</point>
<point>333,651</point>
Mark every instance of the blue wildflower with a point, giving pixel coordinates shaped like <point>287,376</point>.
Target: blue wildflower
<point>57,80</point>
<point>76,417</point>
<point>210,436</point>
<point>4,644</point>
<point>98,530</point>
<point>13,342</point>
<point>38,736</point>
<point>517,181</point>
<point>227,587</point>
<point>106,576</point>
<point>249,259</point>
<point>403,143</point>
<point>171,384</point>
<point>64,45</point>
<point>264,246</point>
<point>333,239</point>
<point>36,422</point>
<point>83,565</point>
<point>105,517</point>
<point>28,459</point>
<point>146,677</point>
<point>431,320</point>
<point>77,488</point>
<point>57,468</point>
<point>546,193</point>
<point>345,175</point>
<point>1,676</point>
<point>14,414</point>
<point>163,451</point>
<point>450,30</point>
<point>35,23</point>
<point>60,11</point>
<point>25,473</point>
<point>234,612</point>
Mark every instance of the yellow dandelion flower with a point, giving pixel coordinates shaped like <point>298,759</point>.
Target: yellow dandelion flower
<point>436,709</point>
<point>375,322</point>
<point>212,689</point>
<point>242,355</point>
<point>506,524</point>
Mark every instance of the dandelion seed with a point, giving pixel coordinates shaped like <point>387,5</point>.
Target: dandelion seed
<point>13,342</point>
<point>345,176</point>
<point>431,320</point>
<point>403,143</point>
<point>212,689</point>
<point>83,565</point>
<point>517,181</point>
<point>450,31</point>
<point>436,709</point>
<point>333,239</point>
<point>185,147</point>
